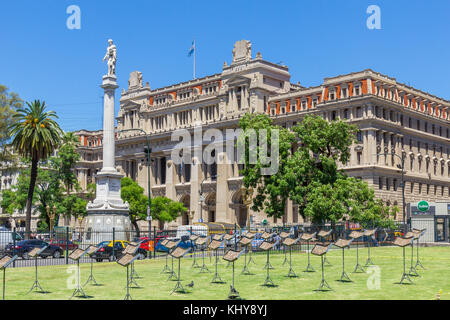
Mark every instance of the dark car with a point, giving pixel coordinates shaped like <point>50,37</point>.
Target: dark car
<point>63,244</point>
<point>106,251</point>
<point>23,247</point>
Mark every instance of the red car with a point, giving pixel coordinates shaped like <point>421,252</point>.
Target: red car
<point>149,247</point>
<point>63,244</point>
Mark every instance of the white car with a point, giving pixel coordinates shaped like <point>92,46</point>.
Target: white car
<point>6,237</point>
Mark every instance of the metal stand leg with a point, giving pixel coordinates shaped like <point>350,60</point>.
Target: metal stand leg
<point>36,284</point>
<point>233,294</point>
<point>166,267</point>
<point>4,282</point>
<point>250,258</point>
<point>418,264</point>
<point>405,276</point>
<point>323,283</point>
<point>268,265</point>
<point>128,296</point>
<point>358,266</point>
<point>309,267</point>
<point>132,278</point>
<point>172,273</point>
<point>285,256</point>
<point>344,275</point>
<point>78,292</point>
<point>369,260</point>
<point>178,287</point>
<point>291,273</point>
<point>91,277</point>
<point>134,274</point>
<point>216,278</point>
<point>268,282</point>
<point>412,270</point>
<point>195,264</point>
<point>246,270</point>
<point>204,268</point>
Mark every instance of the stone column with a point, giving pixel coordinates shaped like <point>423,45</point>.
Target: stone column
<point>196,179</point>
<point>109,85</point>
<point>222,205</point>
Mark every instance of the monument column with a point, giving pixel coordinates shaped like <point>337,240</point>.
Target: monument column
<point>108,212</point>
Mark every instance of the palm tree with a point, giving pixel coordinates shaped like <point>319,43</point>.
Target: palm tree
<point>36,136</point>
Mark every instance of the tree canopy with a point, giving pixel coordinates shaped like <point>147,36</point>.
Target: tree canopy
<point>309,175</point>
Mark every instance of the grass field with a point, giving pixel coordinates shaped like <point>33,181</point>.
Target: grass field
<point>155,285</point>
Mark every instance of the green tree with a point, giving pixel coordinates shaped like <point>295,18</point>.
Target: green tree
<point>166,210</point>
<point>133,193</point>
<point>309,175</point>
<point>272,190</point>
<point>36,136</point>
<point>9,103</point>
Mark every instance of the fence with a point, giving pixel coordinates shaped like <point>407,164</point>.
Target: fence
<point>63,240</point>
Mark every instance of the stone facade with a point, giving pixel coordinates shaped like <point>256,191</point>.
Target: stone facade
<point>392,117</point>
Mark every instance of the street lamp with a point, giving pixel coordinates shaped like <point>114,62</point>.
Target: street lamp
<point>51,216</point>
<point>149,206</point>
<point>402,167</point>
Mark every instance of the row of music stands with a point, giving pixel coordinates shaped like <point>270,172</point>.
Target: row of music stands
<point>5,262</point>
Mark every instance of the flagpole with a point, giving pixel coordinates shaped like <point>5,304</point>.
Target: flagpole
<point>194,59</point>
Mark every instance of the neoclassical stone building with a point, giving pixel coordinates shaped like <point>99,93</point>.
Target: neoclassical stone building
<point>392,117</point>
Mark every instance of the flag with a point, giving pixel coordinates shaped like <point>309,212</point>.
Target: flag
<point>191,49</point>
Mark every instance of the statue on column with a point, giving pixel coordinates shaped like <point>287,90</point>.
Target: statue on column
<point>111,55</point>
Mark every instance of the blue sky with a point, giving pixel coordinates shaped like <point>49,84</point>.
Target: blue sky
<point>41,59</point>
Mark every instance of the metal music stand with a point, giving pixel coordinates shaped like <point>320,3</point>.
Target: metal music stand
<point>34,254</point>
<point>308,237</point>
<point>267,246</point>
<point>125,261</point>
<point>289,242</point>
<point>171,245</point>
<point>369,233</point>
<point>215,245</point>
<point>412,271</point>
<point>202,242</point>
<point>250,236</point>
<point>217,237</point>
<point>91,250</point>
<point>323,234</point>
<point>166,267</point>
<point>227,238</point>
<point>76,255</point>
<point>132,249</point>
<point>244,242</point>
<point>356,235</point>
<point>232,256</point>
<point>284,235</point>
<point>417,234</point>
<point>178,253</point>
<point>403,242</point>
<point>321,251</point>
<point>342,243</point>
<point>193,238</point>
<point>4,263</point>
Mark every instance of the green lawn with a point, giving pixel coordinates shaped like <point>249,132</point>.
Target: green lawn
<point>155,285</point>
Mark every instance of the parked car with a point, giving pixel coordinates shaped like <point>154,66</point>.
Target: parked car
<point>23,247</point>
<point>149,246</point>
<point>63,244</point>
<point>7,237</point>
<point>106,250</point>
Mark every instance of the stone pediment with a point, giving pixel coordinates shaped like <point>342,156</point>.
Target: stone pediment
<point>130,104</point>
<point>237,80</point>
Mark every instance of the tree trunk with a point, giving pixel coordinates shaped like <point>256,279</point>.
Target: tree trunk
<point>33,176</point>
<point>136,228</point>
